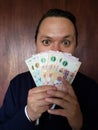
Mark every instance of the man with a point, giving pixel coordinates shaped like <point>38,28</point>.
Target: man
<point>76,108</point>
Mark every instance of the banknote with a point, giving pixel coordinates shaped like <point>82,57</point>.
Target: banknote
<point>47,68</point>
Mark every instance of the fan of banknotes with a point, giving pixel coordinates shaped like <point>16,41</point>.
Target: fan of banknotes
<point>47,68</point>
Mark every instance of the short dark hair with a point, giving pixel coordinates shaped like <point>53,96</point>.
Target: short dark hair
<point>58,13</point>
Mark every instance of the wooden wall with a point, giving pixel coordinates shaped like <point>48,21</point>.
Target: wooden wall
<point>18,20</point>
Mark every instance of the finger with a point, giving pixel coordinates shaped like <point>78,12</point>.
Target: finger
<point>59,102</point>
<point>69,88</point>
<point>60,112</point>
<point>41,89</point>
<point>39,106</point>
<point>43,109</point>
<point>41,103</point>
<point>61,99</point>
<point>39,96</point>
<point>58,94</point>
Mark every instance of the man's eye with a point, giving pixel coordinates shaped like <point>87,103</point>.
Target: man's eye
<point>66,42</point>
<point>46,42</point>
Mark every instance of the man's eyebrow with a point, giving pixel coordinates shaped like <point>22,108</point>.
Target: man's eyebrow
<point>67,36</point>
<point>46,36</point>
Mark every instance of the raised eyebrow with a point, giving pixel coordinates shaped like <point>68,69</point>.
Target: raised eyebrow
<point>45,37</point>
<point>67,36</point>
<point>49,37</point>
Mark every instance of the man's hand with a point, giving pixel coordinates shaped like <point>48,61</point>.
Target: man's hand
<point>66,98</point>
<point>36,103</point>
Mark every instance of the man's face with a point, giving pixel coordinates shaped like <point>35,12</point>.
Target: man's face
<point>56,33</point>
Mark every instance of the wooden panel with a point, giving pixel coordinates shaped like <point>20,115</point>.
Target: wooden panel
<point>87,16</point>
<point>18,20</point>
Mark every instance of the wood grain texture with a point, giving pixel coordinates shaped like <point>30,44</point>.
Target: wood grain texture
<point>18,21</point>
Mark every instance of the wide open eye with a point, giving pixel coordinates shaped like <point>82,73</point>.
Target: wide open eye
<point>46,42</point>
<point>66,42</point>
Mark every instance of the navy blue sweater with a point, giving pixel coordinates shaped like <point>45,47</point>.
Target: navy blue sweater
<point>12,115</point>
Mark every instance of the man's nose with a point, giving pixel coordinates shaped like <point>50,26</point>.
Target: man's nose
<point>55,47</point>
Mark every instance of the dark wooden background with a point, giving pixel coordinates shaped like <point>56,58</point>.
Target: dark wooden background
<point>18,20</point>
